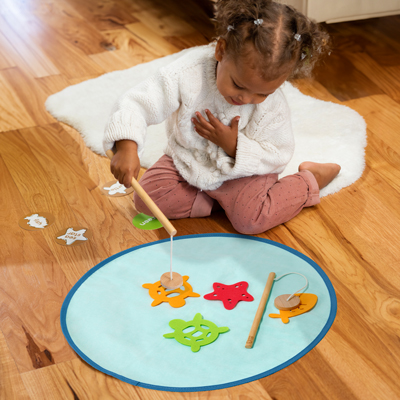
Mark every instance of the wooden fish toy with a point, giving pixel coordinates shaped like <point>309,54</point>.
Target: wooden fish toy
<point>307,302</point>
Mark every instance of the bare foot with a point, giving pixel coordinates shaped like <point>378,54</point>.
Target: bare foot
<point>324,173</point>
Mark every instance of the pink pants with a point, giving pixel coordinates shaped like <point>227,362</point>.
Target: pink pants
<point>253,204</point>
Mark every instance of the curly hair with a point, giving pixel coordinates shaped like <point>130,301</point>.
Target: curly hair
<point>286,41</point>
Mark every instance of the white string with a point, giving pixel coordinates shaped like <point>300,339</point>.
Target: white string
<point>304,287</point>
<point>171,261</point>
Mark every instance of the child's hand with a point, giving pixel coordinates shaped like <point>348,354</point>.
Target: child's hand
<point>125,164</point>
<point>218,133</point>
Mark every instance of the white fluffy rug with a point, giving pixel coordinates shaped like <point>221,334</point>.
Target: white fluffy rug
<point>324,131</point>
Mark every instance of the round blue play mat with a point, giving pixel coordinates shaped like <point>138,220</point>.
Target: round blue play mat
<point>108,319</point>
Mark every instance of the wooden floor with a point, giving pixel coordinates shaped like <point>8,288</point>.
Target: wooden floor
<point>47,45</point>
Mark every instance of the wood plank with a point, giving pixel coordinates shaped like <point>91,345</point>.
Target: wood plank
<point>313,88</point>
<point>373,268</point>
<point>343,80</point>
<point>186,41</point>
<point>10,56</point>
<point>125,41</point>
<point>150,40</point>
<point>162,23</point>
<point>383,149</point>
<point>30,95</point>
<point>316,377</point>
<point>366,36</point>
<point>357,37</point>
<point>75,380</point>
<point>11,385</point>
<point>53,84</point>
<point>97,167</point>
<point>386,30</point>
<point>67,58</point>
<point>383,160</point>
<point>128,52</point>
<point>112,231</point>
<point>192,12</point>
<point>41,194</point>
<point>365,295</point>
<point>252,390</point>
<point>33,57</point>
<point>382,115</point>
<point>377,208</point>
<point>382,76</point>
<point>69,380</point>
<point>358,373</point>
<point>62,18</point>
<point>6,60</point>
<point>74,81</point>
<point>32,287</point>
<point>117,60</point>
<point>13,114</point>
<point>106,15</point>
<point>378,249</point>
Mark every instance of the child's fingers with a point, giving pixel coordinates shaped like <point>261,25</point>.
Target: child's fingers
<point>204,123</point>
<point>235,122</point>
<point>127,180</point>
<point>123,178</point>
<point>202,132</point>
<point>213,120</point>
<point>200,129</point>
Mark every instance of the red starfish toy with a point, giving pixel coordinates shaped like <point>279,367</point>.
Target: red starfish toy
<point>230,295</point>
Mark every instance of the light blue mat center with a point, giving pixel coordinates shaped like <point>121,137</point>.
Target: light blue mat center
<point>108,319</point>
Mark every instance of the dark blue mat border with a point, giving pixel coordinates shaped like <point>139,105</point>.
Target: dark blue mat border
<point>323,332</point>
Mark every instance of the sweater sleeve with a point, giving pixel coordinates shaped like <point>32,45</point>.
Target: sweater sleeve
<point>148,103</point>
<point>266,144</point>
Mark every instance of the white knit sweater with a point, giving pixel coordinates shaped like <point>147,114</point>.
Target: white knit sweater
<point>265,141</point>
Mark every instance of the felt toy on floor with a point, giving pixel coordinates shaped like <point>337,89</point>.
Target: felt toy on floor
<point>115,189</point>
<point>161,295</point>
<point>73,236</point>
<point>230,295</point>
<point>146,222</point>
<point>307,302</point>
<point>209,332</point>
<point>36,220</point>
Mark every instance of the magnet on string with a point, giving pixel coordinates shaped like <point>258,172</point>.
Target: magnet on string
<point>282,303</point>
<point>288,302</point>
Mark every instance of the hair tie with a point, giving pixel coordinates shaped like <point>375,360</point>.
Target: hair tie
<point>297,36</point>
<point>258,21</point>
<point>230,28</point>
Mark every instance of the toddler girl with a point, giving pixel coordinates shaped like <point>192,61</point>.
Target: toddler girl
<point>228,122</point>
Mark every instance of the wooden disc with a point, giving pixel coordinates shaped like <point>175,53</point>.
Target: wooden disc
<point>281,303</point>
<point>175,283</point>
